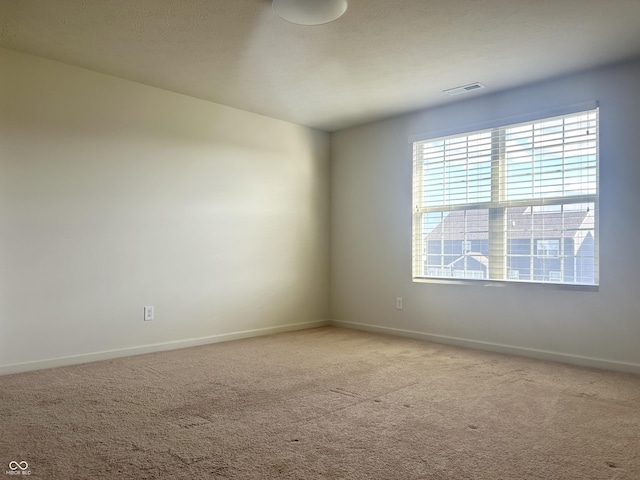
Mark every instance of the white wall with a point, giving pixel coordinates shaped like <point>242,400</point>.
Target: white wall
<point>115,195</point>
<point>371,235</point>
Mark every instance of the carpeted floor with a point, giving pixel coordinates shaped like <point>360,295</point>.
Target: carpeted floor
<point>322,403</point>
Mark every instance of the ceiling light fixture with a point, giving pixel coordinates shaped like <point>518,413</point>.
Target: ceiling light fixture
<point>310,12</point>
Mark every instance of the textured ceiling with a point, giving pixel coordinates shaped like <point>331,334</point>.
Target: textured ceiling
<point>382,58</point>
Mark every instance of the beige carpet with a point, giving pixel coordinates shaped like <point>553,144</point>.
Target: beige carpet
<point>322,403</point>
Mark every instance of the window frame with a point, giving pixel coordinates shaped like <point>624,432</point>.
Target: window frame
<point>497,208</point>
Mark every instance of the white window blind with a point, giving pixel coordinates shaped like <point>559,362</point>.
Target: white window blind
<point>515,203</point>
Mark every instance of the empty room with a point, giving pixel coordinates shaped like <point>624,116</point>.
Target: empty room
<point>320,239</point>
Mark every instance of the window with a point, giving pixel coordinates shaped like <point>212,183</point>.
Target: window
<point>548,248</point>
<point>514,203</point>
<point>555,276</point>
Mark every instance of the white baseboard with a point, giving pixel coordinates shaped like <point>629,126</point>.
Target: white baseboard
<point>157,347</point>
<point>499,348</point>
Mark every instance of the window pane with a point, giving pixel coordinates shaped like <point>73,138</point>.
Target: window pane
<point>552,243</point>
<point>551,158</point>
<point>456,170</point>
<point>457,245</point>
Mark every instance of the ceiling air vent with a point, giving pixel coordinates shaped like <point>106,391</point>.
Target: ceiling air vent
<point>467,88</point>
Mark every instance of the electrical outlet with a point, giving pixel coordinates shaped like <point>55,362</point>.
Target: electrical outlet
<point>399,303</point>
<point>148,313</point>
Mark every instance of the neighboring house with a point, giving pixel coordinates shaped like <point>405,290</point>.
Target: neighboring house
<point>543,244</point>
